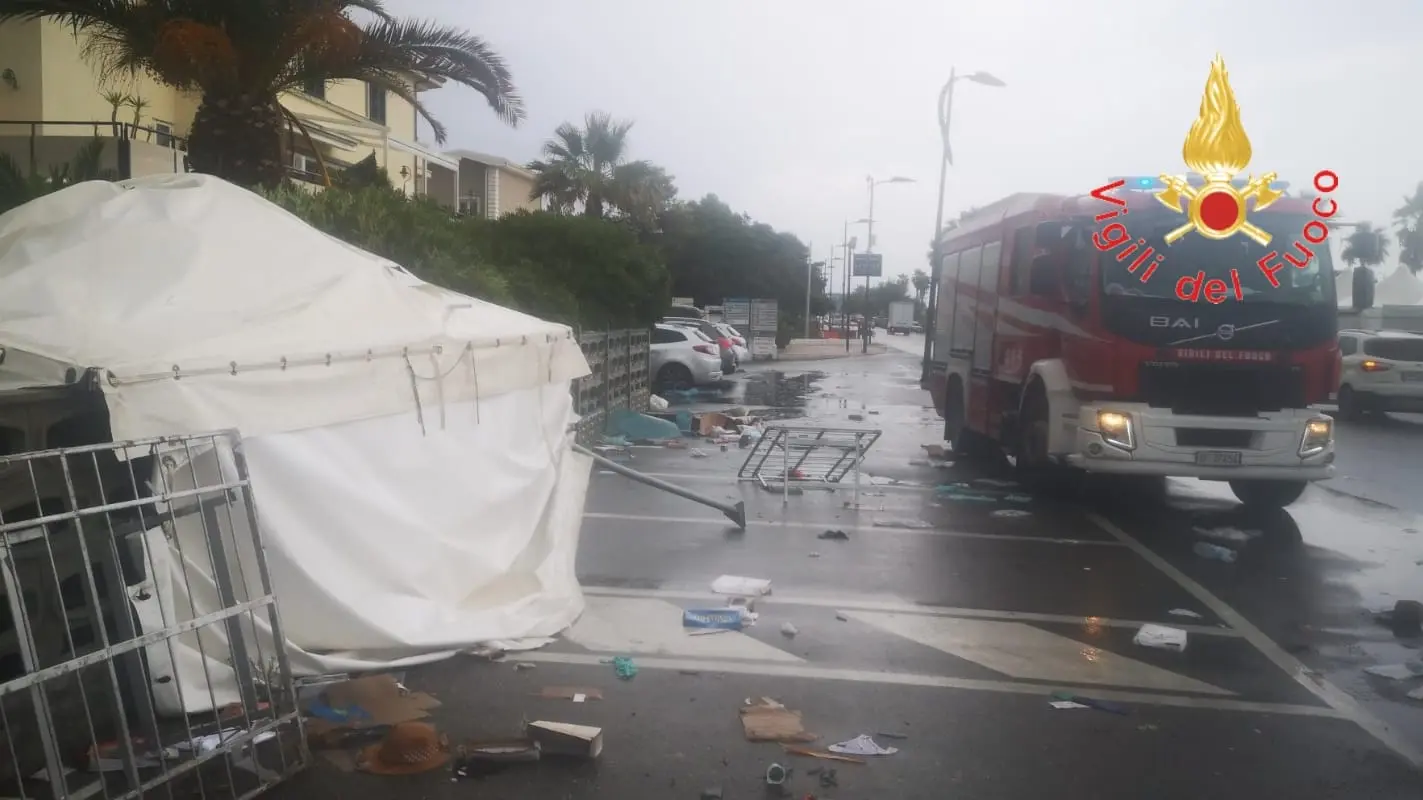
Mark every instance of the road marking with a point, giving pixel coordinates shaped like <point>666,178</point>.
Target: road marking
<point>721,522</point>
<point>933,681</point>
<point>1021,651</point>
<point>893,605</point>
<point>1344,705</point>
<point>644,625</point>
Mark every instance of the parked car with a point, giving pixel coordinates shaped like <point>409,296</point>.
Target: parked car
<point>738,342</point>
<point>1379,371</point>
<point>681,358</point>
<point>690,312</point>
<point>915,327</point>
<point>730,360</point>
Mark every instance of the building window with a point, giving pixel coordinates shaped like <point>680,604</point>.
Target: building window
<point>375,103</point>
<point>316,89</point>
<point>164,134</point>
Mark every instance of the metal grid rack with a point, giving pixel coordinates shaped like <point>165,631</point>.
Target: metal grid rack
<point>799,453</point>
<point>99,571</point>
<point>618,377</point>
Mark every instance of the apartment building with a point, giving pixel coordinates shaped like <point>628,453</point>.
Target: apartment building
<point>52,103</point>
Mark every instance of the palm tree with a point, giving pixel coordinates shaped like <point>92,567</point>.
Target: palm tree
<point>921,285</point>
<point>1409,219</point>
<point>588,167</point>
<point>241,54</point>
<point>1367,246</point>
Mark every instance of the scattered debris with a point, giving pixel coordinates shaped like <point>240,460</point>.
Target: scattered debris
<point>657,403</point>
<point>1215,552</point>
<point>1160,637</point>
<point>525,665</point>
<point>1014,513</point>
<point>835,535</point>
<point>1397,672</point>
<point>1100,705</point>
<point>814,554</point>
<point>1227,534</point>
<point>408,748</point>
<point>775,487</point>
<point>713,793</point>
<point>707,631</point>
<point>936,451</point>
<point>624,668</point>
<point>695,453</point>
<point>788,630</point>
<point>565,738</point>
<point>857,417</point>
<point>1184,612</point>
<point>765,720</point>
<point>822,754</point>
<point>842,616</point>
<point>862,745</point>
<point>912,524</point>
<point>713,424</point>
<point>353,711</point>
<point>776,775</point>
<point>496,751</point>
<point>632,426</point>
<point>740,586</point>
<point>577,694</point>
<point>731,619</point>
<point>1063,705</point>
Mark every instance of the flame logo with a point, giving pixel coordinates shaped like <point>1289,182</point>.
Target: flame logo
<point>1217,144</point>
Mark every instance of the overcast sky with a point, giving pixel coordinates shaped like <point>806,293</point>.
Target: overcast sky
<point>783,107</point>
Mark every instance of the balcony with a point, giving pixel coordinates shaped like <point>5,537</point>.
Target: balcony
<point>136,150</point>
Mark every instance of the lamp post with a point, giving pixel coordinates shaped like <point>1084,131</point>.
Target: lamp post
<point>870,248</point>
<point>946,101</point>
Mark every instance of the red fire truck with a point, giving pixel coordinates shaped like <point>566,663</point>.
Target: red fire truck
<point>1059,351</point>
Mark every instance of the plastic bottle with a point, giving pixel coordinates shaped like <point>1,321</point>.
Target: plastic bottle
<point>1215,552</point>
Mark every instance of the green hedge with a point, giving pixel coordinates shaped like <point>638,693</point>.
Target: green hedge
<point>570,269</point>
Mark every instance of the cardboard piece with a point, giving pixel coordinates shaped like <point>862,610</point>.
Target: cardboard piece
<point>768,721</point>
<point>711,420</point>
<point>571,693</point>
<point>565,738</point>
<point>383,698</point>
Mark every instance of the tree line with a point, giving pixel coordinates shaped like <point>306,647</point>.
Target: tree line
<point>1368,245</point>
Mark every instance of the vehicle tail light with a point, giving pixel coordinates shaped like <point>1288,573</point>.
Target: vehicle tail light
<point>704,348</point>
<point>1374,366</point>
<point>724,343</point>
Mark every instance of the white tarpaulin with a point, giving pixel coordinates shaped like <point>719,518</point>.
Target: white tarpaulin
<point>408,446</point>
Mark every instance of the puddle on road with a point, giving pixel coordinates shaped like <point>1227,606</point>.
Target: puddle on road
<point>773,394</point>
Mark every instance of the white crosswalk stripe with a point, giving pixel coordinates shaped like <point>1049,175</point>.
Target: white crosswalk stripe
<point>1022,651</point>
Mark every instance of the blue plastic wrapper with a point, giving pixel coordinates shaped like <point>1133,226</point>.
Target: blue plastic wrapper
<point>724,618</point>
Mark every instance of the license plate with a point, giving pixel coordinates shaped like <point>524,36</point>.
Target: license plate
<point>1411,377</point>
<point>1218,458</point>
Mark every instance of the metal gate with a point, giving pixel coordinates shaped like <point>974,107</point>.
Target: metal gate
<point>137,657</point>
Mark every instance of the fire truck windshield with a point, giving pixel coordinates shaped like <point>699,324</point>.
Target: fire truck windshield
<point>1193,254</point>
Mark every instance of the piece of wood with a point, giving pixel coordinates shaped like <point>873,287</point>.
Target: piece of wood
<point>570,693</point>
<point>824,754</point>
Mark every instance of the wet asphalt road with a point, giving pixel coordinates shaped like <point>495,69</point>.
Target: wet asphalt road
<point>951,623</point>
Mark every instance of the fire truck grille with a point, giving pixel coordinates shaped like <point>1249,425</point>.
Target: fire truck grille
<point>1221,389</point>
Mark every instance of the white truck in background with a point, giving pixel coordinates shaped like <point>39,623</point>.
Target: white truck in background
<point>901,317</point>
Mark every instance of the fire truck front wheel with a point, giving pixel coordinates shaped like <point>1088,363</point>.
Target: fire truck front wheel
<point>1268,494</point>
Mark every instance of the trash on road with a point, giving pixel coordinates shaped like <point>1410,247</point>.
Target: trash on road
<point>834,535</point>
<point>624,668</point>
<point>776,775</point>
<point>912,524</point>
<point>1184,612</point>
<point>862,745</point>
<point>524,665</point>
<point>1011,513</point>
<point>741,586</point>
<point>1226,533</point>
<point>788,630</point>
<point>695,453</point>
<point>1101,705</point>
<point>565,738</point>
<point>765,720</point>
<point>495,750</point>
<point>936,451</point>
<point>825,755</point>
<point>1416,694</point>
<point>731,619</point>
<point>842,616</point>
<point>345,711</point>
<point>657,403</point>
<point>1397,672</point>
<point>408,748</point>
<point>1215,552</point>
<point>577,694</point>
<point>857,417</point>
<point>712,793</point>
<point>1160,637</point>
<point>1063,705</point>
<point>635,427</point>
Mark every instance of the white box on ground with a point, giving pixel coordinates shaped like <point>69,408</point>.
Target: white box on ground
<point>565,738</point>
<point>1161,637</point>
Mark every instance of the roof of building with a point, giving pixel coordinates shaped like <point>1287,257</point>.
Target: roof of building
<point>491,161</point>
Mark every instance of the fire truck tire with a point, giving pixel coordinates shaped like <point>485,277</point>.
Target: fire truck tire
<point>1035,467</point>
<point>1268,494</point>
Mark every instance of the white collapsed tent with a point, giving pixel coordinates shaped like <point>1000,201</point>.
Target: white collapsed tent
<point>407,446</point>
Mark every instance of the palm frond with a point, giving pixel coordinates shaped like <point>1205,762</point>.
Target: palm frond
<point>606,138</point>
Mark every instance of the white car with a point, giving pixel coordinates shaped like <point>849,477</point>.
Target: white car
<point>1380,371</point>
<point>738,342</point>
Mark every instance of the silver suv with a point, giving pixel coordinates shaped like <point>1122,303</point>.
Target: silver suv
<point>682,358</point>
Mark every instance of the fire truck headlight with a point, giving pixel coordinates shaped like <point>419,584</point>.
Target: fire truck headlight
<point>1318,433</point>
<point>1115,428</point>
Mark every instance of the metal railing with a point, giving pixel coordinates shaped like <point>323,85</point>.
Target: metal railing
<point>619,378</point>
<point>136,604</point>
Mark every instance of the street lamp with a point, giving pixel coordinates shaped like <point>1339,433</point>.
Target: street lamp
<point>870,248</point>
<point>850,242</point>
<point>946,101</point>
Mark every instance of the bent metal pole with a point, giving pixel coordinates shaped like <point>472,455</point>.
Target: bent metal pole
<point>735,513</point>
